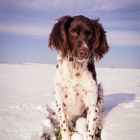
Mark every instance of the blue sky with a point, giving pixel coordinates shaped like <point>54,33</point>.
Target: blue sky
<point>25,26</point>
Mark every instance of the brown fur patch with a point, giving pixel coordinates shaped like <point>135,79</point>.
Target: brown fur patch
<point>77,74</point>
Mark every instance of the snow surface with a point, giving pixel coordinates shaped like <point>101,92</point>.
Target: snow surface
<point>26,89</point>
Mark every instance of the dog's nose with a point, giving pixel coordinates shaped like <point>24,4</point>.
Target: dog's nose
<point>83,53</point>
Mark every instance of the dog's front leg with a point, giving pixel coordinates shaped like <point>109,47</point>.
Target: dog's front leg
<point>92,116</point>
<point>61,111</point>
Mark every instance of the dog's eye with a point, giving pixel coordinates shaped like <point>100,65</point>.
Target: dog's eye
<point>75,32</point>
<point>88,33</point>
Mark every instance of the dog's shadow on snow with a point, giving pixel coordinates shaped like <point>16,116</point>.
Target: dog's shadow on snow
<point>113,100</point>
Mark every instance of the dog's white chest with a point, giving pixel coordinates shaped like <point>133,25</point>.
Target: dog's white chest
<point>74,84</point>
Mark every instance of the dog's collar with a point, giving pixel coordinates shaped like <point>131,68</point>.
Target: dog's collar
<point>74,59</point>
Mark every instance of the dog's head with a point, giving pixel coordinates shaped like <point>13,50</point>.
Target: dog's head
<point>79,37</point>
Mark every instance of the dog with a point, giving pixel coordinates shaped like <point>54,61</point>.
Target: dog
<point>80,42</point>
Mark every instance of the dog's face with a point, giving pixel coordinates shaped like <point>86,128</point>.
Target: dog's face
<point>79,37</point>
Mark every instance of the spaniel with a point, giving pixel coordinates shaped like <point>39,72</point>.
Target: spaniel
<point>79,42</point>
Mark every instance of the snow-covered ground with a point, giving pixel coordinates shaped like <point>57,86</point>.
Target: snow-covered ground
<point>26,89</point>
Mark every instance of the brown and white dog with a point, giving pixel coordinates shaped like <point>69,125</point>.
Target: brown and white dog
<point>79,42</point>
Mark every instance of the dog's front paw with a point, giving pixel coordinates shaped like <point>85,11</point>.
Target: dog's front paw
<point>66,136</point>
<point>76,136</point>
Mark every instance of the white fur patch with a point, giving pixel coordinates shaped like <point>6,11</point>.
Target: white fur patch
<point>80,90</point>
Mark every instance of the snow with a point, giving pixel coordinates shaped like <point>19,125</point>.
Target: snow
<point>27,89</point>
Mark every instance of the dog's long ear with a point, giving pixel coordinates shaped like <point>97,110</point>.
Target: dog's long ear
<point>58,38</point>
<point>101,46</point>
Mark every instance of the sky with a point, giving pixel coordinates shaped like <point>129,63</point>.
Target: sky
<point>26,24</point>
